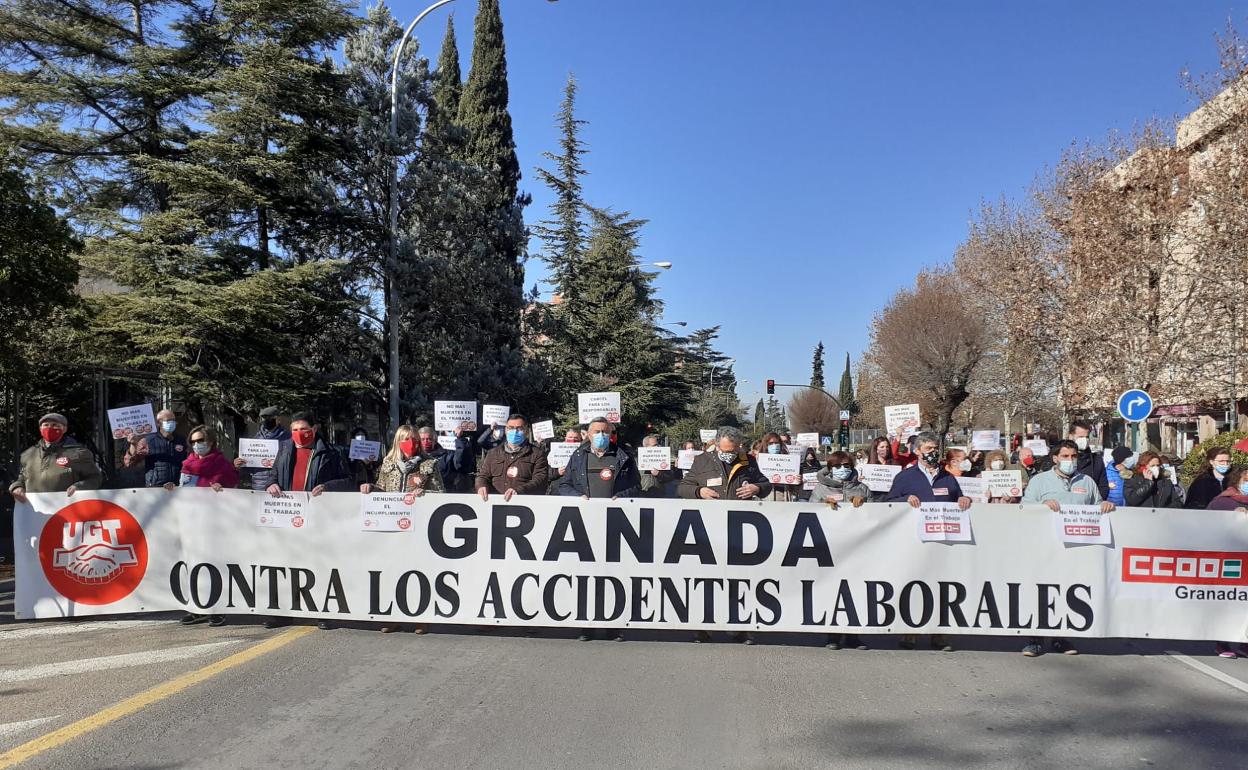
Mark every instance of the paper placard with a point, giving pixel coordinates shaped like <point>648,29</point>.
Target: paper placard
<point>902,421</point>
<point>878,478</point>
<point>1003,483</point>
<point>447,442</point>
<point>543,430</point>
<point>386,512</point>
<point>1039,447</point>
<point>974,488</point>
<point>188,480</point>
<point>493,414</point>
<point>290,511</point>
<point>128,421</point>
<point>447,415</point>
<point>560,454</point>
<point>707,434</point>
<point>654,458</point>
<point>1083,525</point>
<point>986,440</point>
<point>684,458</point>
<point>591,405</point>
<point>807,439</point>
<point>780,469</point>
<point>365,450</point>
<point>257,452</point>
<point>943,523</point>
<point>810,480</point>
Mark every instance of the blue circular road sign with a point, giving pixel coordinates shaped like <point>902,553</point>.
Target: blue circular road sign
<point>1135,405</point>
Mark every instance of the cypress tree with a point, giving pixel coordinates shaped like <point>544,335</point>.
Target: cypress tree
<point>846,396</point>
<point>448,84</point>
<point>483,105</point>
<point>816,367</point>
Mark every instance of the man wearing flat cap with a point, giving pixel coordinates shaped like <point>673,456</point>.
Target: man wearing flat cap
<point>56,463</point>
<point>270,430</point>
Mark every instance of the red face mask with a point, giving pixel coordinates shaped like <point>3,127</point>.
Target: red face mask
<point>52,433</point>
<point>304,438</point>
<point>1029,461</point>
<point>408,447</point>
<point>427,444</point>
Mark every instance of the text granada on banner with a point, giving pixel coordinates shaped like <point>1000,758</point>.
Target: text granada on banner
<point>665,564</point>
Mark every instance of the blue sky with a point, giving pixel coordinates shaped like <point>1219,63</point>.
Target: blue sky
<point>801,160</point>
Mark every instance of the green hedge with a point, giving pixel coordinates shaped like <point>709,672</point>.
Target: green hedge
<point>1197,458</point>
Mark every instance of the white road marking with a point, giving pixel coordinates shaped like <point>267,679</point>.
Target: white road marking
<point>1209,671</point>
<point>108,662</point>
<point>13,728</point>
<point>58,627</point>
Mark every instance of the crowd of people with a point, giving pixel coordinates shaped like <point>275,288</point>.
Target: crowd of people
<point>504,460</point>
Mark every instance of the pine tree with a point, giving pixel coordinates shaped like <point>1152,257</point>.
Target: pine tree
<point>846,395</point>
<point>816,367</point>
<point>775,421</point>
<point>564,233</point>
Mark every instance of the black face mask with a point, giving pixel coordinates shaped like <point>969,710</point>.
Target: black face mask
<point>931,458</point>
<point>270,424</point>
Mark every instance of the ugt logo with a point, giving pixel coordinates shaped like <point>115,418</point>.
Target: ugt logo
<point>93,552</point>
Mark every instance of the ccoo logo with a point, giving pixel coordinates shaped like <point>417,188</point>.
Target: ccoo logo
<point>93,552</point>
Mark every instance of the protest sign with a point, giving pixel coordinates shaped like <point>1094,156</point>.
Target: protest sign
<point>780,469</point>
<point>290,511</point>
<point>707,434</point>
<point>447,415</point>
<point>1039,447</point>
<point>1003,483</point>
<point>257,452</point>
<point>810,480</point>
<point>1083,525</point>
<point>543,430</point>
<point>986,440</point>
<point>684,458</point>
<point>593,405</point>
<point>128,421</point>
<point>878,478</point>
<point>974,488</point>
<point>807,439</point>
<point>493,414</point>
<point>365,450</point>
<point>447,442</point>
<point>386,512</point>
<point>943,523</point>
<point>902,421</point>
<point>654,458</point>
<point>560,454</point>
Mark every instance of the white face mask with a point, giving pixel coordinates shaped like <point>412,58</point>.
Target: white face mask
<point>200,448</point>
<point>998,465</point>
<point>1082,443</point>
<point>964,466</point>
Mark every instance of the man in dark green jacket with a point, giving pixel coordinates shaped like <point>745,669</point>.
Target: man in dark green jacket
<point>56,463</point>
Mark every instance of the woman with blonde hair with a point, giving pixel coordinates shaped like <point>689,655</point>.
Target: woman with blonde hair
<point>406,469</point>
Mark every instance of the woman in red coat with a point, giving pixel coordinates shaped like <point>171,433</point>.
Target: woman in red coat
<point>206,466</point>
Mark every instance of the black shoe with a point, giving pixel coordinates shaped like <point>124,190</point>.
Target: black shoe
<point>744,637</point>
<point>276,623</point>
<point>586,636</point>
<point>906,644</point>
<point>834,642</point>
<point>190,619</point>
<point>1033,649</point>
<point>853,642</point>
<point>216,620</point>
<point>619,636</point>
<point>1064,647</point>
<point>940,644</point>
<point>324,625</point>
<point>701,636</point>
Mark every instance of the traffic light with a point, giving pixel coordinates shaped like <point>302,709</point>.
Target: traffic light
<point>771,387</point>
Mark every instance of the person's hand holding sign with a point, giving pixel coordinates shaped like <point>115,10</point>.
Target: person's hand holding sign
<point>914,501</point>
<point>964,503</point>
<point>706,493</point>
<point>1107,506</point>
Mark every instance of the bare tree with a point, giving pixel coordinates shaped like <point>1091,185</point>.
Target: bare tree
<point>812,411</point>
<point>927,340</point>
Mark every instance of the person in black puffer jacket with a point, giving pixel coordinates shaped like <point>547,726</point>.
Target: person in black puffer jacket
<point>1148,487</point>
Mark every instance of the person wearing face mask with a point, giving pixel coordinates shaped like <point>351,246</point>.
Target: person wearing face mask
<point>1065,484</point>
<point>362,471</point>
<point>810,464</point>
<point>1117,472</point>
<point>1148,487</point>
<point>654,483</point>
<point>599,468</point>
<point>56,463</point>
<point>1091,464</point>
<point>206,466</point>
<point>926,482</point>
<point>1172,473</point>
<point>838,483</point>
<point>996,460</point>
<point>573,435</point>
<point>161,453</point>
<point>725,472</point>
<point>516,467</point>
<point>774,444</point>
<point>1210,480</point>
<point>453,465</point>
<point>271,429</point>
<point>956,463</point>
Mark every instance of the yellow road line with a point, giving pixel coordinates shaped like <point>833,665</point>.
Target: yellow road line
<point>130,705</point>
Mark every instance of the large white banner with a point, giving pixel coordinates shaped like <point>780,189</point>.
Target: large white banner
<point>677,564</point>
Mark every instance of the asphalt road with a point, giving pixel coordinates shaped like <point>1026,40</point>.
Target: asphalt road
<point>352,697</point>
